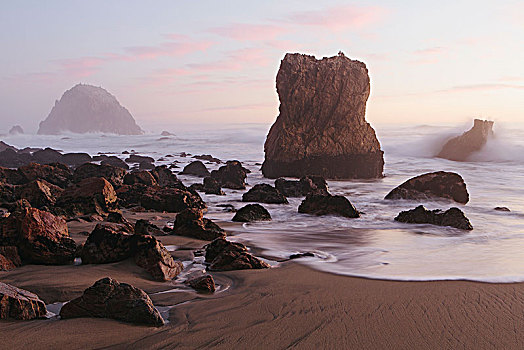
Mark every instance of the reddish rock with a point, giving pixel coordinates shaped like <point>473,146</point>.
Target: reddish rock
<point>107,244</point>
<point>440,184</point>
<point>39,193</point>
<point>108,298</point>
<point>144,227</point>
<point>225,256</point>
<point>41,237</point>
<point>461,147</point>
<point>191,223</point>
<point>321,129</point>
<point>140,177</point>
<point>117,218</point>
<point>56,173</point>
<point>93,195</point>
<point>165,177</point>
<point>113,174</point>
<point>204,284</point>
<point>264,193</point>
<point>11,176</point>
<point>20,304</point>
<point>9,258</point>
<point>328,205</point>
<point>154,257</point>
<point>232,175</point>
<point>310,184</point>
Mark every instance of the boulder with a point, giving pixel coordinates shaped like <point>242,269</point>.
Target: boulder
<point>135,158</point>
<point>15,130</point>
<point>55,173</point>
<point>140,177</point>
<point>93,195</point>
<point>328,205</point>
<point>108,298</point>
<point>75,159</point>
<point>309,184</point>
<point>227,256</point>
<point>321,128</point>
<point>144,227</point>
<point>115,175</point>
<point>39,193</point>
<point>47,156</point>
<point>10,158</point>
<point>165,177</point>
<point>453,217</point>
<point>114,161</point>
<point>19,304</point>
<point>196,168</point>
<point>204,283</point>
<point>252,212</point>
<point>154,257</point>
<point>437,185</point>
<point>117,218</point>
<point>11,176</point>
<point>502,209</point>
<point>168,199</point>
<point>41,237</point>
<point>208,157</point>
<point>87,109</point>
<point>107,244</point>
<point>191,223</point>
<point>461,147</point>
<point>232,175</point>
<point>264,193</point>
<point>212,186</point>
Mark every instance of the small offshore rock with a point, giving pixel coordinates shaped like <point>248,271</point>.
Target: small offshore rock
<point>453,217</point>
<point>328,205</point>
<point>252,212</point>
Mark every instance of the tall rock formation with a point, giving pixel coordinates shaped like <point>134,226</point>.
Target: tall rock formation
<point>321,129</point>
<point>87,108</point>
<point>461,147</point>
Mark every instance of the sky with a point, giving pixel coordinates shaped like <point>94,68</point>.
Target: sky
<point>215,62</point>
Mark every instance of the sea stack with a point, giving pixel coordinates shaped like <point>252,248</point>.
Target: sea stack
<point>461,147</point>
<point>321,128</point>
<point>89,109</point>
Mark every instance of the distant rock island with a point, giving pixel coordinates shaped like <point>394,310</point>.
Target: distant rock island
<point>86,108</point>
<point>321,129</point>
<point>461,147</point>
<point>15,130</point>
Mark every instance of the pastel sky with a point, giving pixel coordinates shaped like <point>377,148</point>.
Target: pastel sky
<point>181,62</point>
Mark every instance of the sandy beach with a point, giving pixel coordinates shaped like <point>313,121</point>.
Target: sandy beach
<point>288,306</point>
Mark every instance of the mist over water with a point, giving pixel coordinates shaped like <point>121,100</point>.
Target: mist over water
<point>374,245</point>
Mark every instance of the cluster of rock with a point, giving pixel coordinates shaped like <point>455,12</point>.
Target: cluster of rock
<point>453,217</point>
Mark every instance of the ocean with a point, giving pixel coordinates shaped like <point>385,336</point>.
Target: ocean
<point>373,246</point>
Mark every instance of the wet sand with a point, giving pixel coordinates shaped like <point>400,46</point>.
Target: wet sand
<point>289,306</point>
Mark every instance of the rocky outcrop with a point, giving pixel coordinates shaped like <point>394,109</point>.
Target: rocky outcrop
<point>165,177</point>
<point>115,175</point>
<point>39,193</point>
<point>86,108</point>
<point>252,212</point>
<point>328,205</point>
<point>140,177</point>
<point>204,283</point>
<point>191,223</point>
<point>154,257</point>
<point>310,184</point>
<point>437,185</point>
<point>55,173</point>
<point>41,237</point>
<point>196,168</point>
<point>461,147</point>
<point>453,217</point>
<point>93,195</point>
<point>232,175</point>
<point>264,193</point>
<point>19,304</point>
<point>223,255</point>
<point>108,298</point>
<point>321,128</point>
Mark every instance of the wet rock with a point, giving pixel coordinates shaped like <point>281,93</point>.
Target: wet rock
<point>321,129</point>
<point>328,205</point>
<point>20,304</point>
<point>39,193</point>
<point>264,193</point>
<point>108,298</point>
<point>146,166</point>
<point>117,218</point>
<point>75,159</point>
<point>191,223</point>
<point>226,256</point>
<point>4,146</point>
<point>502,209</point>
<point>212,186</point>
<point>10,158</point>
<point>144,227</point>
<point>107,244</point>
<point>154,257</point>
<point>135,158</point>
<point>252,212</point>
<point>55,173</point>
<point>114,161</point>
<point>196,187</point>
<point>310,184</point>
<point>230,208</point>
<point>41,237</point>
<point>115,175</point>
<point>453,217</point>
<point>94,195</point>
<point>168,199</point>
<point>208,157</point>
<point>232,175</point>
<point>140,177</point>
<point>461,147</point>
<point>165,177</point>
<point>301,255</point>
<point>196,168</point>
<point>86,108</point>
<point>47,156</point>
<point>11,176</point>
<point>16,130</point>
<point>440,184</point>
<point>204,284</point>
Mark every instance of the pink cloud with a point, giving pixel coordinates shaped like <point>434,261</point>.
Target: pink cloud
<point>234,61</point>
<point>168,49</point>
<point>249,32</point>
<point>340,17</point>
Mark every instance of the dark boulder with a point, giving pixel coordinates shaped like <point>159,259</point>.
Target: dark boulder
<point>191,223</point>
<point>93,195</point>
<point>135,158</point>
<point>114,161</point>
<point>208,157</point>
<point>502,209</point>
<point>108,298</point>
<point>116,217</point>
<point>140,177</point>
<point>196,168</point>
<point>453,217</point>
<point>144,227</point>
<point>107,244</point>
<point>321,129</point>
<point>252,212</point>
<point>165,177</point>
<point>39,193</point>
<point>328,205</point>
<point>212,186</point>
<point>264,193</point>
<point>461,147</point>
<point>19,304</point>
<point>154,257</point>
<point>55,173</point>
<point>16,130</point>
<point>47,156</point>
<point>75,159</point>
<point>11,176</point>
<point>310,184</point>
<point>232,175</point>
<point>204,283</point>
<point>10,158</point>
<point>226,256</point>
<point>440,184</point>
<point>115,175</point>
